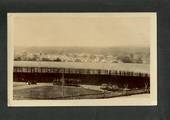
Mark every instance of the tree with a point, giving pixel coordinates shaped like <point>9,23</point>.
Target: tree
<point>139,60</point>
<point>17,58</point>
<point>126,59</point>
<point>77,60</point>
<point>58,60</point>
<point>45,59</point>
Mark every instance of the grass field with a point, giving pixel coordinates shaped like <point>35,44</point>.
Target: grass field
<point>48,91</point>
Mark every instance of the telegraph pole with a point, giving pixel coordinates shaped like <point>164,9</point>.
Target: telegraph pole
<point>63,82</point>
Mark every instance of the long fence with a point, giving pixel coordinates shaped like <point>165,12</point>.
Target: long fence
<point>77,71</point>
<point>84,76</point>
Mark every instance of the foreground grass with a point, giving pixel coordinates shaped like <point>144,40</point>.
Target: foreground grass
<point>51,92</point>
<point>47,91</point>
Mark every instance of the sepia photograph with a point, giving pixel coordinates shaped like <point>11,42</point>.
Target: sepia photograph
<point>82,59</point>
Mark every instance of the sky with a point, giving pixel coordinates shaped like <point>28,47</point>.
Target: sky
<point>80,29</point>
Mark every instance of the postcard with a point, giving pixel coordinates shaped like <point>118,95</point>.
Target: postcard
<point>82,59</point>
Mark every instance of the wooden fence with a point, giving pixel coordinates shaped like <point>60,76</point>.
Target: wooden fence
<point>84,76</point>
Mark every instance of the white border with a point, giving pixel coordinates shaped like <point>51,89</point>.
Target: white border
<point>152,100</point>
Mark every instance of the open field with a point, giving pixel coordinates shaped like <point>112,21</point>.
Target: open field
<point>43,91</point>
<point>48,91</point>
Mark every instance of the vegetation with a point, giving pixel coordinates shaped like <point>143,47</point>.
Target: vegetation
<point>76,54</point>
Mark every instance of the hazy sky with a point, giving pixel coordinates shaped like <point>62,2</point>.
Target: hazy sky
<point>79,29</point>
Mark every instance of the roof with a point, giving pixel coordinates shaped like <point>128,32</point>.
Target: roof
<point>131,67</point>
